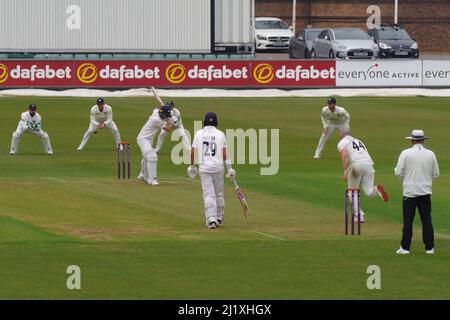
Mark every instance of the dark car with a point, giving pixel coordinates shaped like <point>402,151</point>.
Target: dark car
<point>300,46</point>
<point>394,42</point>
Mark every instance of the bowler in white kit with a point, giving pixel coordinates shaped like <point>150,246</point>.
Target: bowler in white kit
<point>30,121</point>
<point>357,167</point>
<point>177,126</point>
<point>209,148</point>
<point>159,119</point>
<point>333,118</point>
<point>101,116</point>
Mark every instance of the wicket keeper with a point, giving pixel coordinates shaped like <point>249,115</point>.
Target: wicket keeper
<point>30,121</point>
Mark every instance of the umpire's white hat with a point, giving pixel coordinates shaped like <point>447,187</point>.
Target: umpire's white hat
<point>417,135</point>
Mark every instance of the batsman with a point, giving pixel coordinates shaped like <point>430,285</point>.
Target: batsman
<point>177,127</point>
<point>160,119</point>
<point>210,149</point>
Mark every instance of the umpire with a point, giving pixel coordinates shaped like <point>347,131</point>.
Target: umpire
<point>416,168</point>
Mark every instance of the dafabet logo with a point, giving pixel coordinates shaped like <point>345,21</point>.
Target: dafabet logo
<point>87,73</point>
<point>263,73</point>
<point>4,73</point>
<point>176,73</point>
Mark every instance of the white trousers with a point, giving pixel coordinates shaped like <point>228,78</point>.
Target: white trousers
<point>212,185</point>
<point>361,175</point>
<point>324,137</point>
<point>149,161</point>
<point>15,141</point>
<point>182,135</point>
<point>92,128</point>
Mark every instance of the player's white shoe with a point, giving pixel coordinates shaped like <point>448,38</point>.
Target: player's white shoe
<point>79,148</point>
<point>212,225</point>
<point>11,153</point>
<point>219,223</point>
<point>50,153</point>
<point>316,157</point>
<point>431,251</point>
<point>142,178</point>
<point>356,218</point>
<point>402,251</point>
<point>155,183</point>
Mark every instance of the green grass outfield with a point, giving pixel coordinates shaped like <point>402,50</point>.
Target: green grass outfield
<point>136,241</point>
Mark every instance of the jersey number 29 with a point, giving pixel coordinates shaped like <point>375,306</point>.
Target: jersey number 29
<point>210,148</point>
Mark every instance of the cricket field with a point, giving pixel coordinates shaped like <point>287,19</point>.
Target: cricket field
<point>134,241</point>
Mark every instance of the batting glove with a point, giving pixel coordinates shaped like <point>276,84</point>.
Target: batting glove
<point>231,173</point>
<point>192,171</point>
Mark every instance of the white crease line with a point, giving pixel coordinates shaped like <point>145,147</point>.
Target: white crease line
<point>168,182</point>
<point>269,236</point>
<point>56,179</point>
<point>189,179</point>
<point>443,236</point>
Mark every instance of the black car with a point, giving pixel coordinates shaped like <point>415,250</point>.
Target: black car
<point>394,42</point>
<point>301,44</point>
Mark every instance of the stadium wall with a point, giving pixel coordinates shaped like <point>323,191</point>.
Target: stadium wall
<point>120,26</point>
<point>105,26</point>
<point>426,21</point>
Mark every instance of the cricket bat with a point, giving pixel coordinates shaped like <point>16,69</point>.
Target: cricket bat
<point>241,197</point>
<point>155,94</point>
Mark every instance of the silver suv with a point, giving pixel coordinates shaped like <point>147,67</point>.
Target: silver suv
<point>344,43</point>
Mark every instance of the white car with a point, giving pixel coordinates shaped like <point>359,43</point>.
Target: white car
<point>272,34</point>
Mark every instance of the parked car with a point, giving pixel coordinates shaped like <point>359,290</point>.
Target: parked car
<point>271,34</point>
<point>344,43</point>
<point>394,42</point>
<point>300,46</point>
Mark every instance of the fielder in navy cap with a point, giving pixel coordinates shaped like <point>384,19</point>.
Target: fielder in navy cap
<point>333,118</point>
<point>101,116</point>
